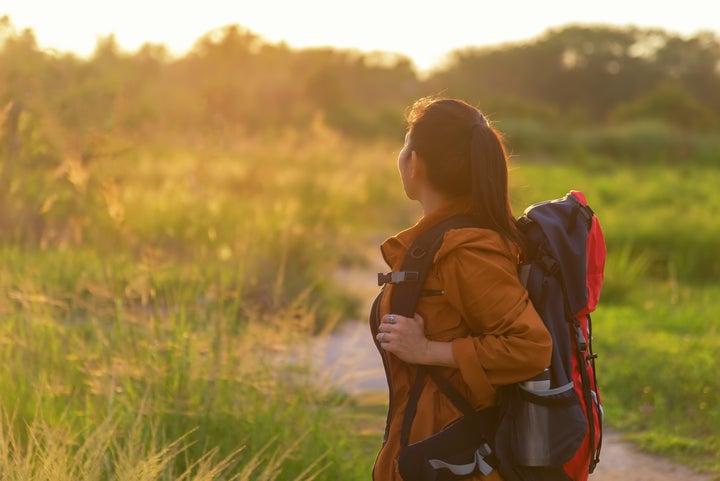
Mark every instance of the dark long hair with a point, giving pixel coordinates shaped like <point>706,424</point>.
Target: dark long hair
<point>464,156</point>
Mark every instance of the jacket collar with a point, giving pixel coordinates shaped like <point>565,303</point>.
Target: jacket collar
<point>394,248</point>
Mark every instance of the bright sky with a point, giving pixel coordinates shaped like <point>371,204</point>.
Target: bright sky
<point>420,29</point>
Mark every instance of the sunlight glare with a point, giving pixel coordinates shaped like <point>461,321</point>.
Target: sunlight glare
<point>421,31</point>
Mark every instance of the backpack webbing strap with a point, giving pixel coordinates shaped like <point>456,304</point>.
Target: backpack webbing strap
<point>587,396</point>
<point>448,390</point>
<point>455,397</point>
<point>486,419</point>
<point>411,407</point>
<point>592,356</point>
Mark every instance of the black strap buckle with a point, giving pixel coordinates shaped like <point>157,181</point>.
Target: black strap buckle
<point>397,277</point>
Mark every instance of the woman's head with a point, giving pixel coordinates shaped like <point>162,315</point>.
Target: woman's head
<point>463,157</point>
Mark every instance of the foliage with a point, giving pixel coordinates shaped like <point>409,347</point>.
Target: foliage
<point>644,141</point>
<point>234,80</point>
<point>171,232</point>
<point>670,103</point>
<point>593,69</point>
<point>248,205</point>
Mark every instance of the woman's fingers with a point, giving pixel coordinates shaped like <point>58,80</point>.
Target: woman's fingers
<point>390,318</point>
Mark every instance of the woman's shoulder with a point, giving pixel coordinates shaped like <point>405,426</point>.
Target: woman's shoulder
<point>476,240</point>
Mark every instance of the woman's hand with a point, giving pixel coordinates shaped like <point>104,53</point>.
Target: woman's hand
<point>405,337</point>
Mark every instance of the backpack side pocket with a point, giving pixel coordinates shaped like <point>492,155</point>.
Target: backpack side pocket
<point>540,428</point>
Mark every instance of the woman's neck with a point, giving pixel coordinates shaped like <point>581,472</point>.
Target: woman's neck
<point>432,201</point>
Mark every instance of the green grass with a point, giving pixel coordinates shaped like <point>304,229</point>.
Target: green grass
<point>150,313</point>
<point>658,357</point>
<point>167,387</point>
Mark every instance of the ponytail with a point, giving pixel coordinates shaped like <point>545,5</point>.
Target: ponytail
<point>489,173</point>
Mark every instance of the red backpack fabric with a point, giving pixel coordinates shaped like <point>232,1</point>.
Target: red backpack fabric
<point>579,467</point>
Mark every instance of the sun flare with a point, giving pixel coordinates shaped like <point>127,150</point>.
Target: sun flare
<point>409,28</point>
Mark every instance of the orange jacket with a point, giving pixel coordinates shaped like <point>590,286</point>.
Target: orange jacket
<point>497,336</point>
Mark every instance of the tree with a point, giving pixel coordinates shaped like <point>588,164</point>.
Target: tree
<point>669,102</point>
<point>584,68</point>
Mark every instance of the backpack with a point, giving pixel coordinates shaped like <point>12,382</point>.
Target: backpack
<point>550,427</point>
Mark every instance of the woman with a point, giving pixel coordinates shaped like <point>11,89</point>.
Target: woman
<point>476,325</point>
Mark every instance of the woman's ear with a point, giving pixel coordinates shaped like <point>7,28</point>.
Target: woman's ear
<point>417,166</point>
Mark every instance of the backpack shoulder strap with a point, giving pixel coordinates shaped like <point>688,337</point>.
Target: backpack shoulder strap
<point>408,282</point>
<point>407,288</point>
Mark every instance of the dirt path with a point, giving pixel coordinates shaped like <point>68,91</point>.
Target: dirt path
<point>349,359</point>
<point>621,461</point>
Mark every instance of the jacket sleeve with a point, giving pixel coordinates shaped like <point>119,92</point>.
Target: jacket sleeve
<point>509,342</point>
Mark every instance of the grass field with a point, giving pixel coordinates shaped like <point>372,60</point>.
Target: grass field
<point>151,302</point>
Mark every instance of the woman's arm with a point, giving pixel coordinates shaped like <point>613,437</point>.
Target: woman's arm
<point>510,342</point>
